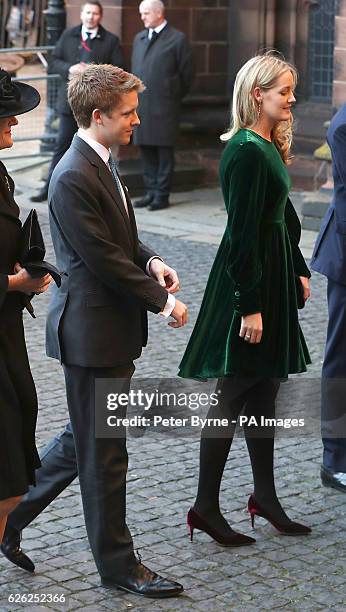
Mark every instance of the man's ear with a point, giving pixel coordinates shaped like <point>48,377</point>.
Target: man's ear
<point>96,116</point>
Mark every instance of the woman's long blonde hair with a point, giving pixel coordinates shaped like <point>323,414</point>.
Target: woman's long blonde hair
<point>260,71</point>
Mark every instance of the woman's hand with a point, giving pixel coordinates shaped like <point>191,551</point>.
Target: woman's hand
<point>22,281</point>
<point>306,287</point>
<point>251,328</point>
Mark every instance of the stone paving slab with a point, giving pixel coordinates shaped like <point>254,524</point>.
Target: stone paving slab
<point>277,572</point>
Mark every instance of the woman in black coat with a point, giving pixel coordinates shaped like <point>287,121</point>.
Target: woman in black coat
<point>18,401</point>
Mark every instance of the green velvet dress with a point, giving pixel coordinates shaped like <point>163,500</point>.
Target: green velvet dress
<point>254,271</point>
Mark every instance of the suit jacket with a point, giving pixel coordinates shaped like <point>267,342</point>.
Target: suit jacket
<point>105,50</point>
<point>329,256</point>
<point>166,68</point>
<point>98,317</point>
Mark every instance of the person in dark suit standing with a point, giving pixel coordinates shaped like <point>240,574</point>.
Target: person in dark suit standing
<point>329,258</point>
<point>97,322</point>
<point>76,48</point>
<point>162,59</point>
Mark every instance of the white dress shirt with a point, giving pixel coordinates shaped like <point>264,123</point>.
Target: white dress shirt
<point>93,33</point>
<point>157,29</point>
<point>104,153</point>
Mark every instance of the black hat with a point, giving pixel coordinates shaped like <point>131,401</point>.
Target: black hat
<point>16,98</point>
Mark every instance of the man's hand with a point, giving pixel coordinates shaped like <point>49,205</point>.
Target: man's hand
<point>180,314</point>
<point>251,328</point>
<point>165,276</point>
<point>306,287</point>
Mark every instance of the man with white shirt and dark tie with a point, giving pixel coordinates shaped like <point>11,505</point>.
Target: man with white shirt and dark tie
<point>162,59</point>
<point>77,47</point>
<point>97,325</point>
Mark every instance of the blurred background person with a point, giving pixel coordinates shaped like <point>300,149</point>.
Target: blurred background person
<point>79,46</point>
<point>162,59</point>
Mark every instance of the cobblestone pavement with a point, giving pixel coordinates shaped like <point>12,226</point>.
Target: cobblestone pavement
<point>276,573</point>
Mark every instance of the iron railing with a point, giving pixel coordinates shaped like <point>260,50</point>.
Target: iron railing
<point>41,123</point>
<point>22,23</point>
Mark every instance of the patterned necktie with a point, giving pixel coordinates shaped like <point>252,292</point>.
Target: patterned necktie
<point>114,172</point>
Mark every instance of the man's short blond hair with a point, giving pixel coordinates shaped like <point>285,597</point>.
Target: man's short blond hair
<point>99,86</point>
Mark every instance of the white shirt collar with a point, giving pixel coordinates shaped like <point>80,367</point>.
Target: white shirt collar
<point>158,29</point>
<point>101,150</point>
<point>93,32</point>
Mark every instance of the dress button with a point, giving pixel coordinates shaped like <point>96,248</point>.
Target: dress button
<point>237,293</point>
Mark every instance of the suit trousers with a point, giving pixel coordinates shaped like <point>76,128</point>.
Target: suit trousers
<point>67,128</point>
<point>101,464</point>
<point>333,412</point>
<point>158,168</point>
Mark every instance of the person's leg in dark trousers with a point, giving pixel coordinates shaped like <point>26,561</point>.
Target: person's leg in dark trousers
<point>235,394</point>
<point>333,412</point>
<point>150,158</point>
<point>102,468</point>
<point>58,469</point>
<point>164,174</point>
<point>67,129</point>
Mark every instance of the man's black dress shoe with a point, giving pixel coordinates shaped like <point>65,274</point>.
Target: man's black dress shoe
<point>336,480</point>
<point>41,196</point>
<point>158,204</point>
<point>140,580</point>
<point>145,201</point>
<point>10,547</point>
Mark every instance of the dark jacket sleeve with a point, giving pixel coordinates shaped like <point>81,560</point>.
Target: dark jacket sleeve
<point>294,232</point>
<point>3,287</point>
<point>116,57</point>
<point>80,218</point>
<point>58,64</point>
<point>145,253</point>
<point>186,66</point>
<point>245,209</point>
<point>338,147</point>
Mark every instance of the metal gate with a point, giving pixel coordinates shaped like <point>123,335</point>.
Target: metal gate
<point>22,23</point>
<point>321,49</point>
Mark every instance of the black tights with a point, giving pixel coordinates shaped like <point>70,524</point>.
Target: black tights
<point>253,398</point>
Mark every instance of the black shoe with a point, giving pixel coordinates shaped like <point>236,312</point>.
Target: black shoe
<point>158,204</point>
<point>140,580</point>
<point>336,480</point>
<point>145,201</point>
<point>41,196</point>
<point>10,547</point>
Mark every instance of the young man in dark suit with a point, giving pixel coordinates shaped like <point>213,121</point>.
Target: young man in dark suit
<point>97,324</point>
<point>77,47</point>
<point>329,258</point>
<point>162,59</point>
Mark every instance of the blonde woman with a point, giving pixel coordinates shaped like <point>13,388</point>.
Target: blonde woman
<point>247,333</point>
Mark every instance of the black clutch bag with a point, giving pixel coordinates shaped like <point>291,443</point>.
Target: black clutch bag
<point>299,292</point>
<point>31,255</point>
<point>32,250</point>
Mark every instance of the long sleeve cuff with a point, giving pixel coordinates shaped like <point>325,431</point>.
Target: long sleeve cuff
<point>247,302</point>
<point>169,307</point>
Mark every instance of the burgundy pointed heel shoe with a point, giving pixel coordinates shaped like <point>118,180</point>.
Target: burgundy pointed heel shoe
<point>196,521</point>
<point>289,528</point>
